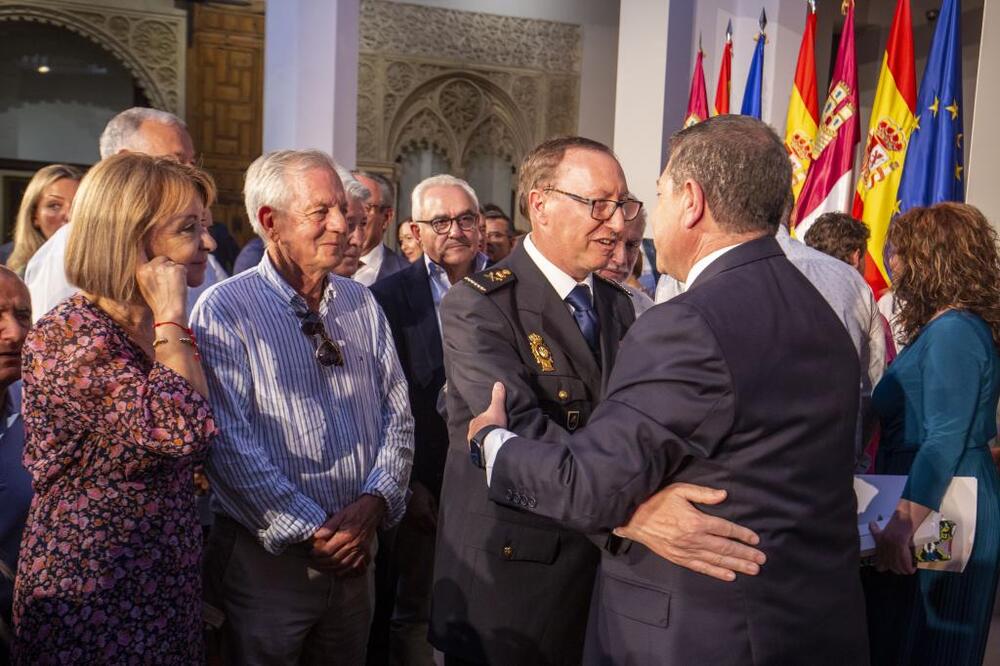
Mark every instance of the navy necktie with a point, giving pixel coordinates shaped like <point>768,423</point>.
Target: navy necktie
<point>586,317</point>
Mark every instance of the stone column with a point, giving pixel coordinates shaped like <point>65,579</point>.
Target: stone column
<point>311,76</point>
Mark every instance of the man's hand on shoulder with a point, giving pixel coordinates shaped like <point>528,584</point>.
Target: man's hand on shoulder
<point>669,525</point>
<point>343,543</point>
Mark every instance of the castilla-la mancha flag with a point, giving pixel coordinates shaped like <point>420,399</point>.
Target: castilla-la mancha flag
<point>893,119</point>
<point>829,184</point>
<point>803,107</point>
<point>697,110</point>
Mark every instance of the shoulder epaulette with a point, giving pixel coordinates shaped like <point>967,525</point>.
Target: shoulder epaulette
<point>615,283</point>
<point>491,280</point>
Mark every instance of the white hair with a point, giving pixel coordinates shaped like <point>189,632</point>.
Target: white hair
<point>440,180</point>
<point>267,179</point>
<point>120,132</point>
<point>352,186</point>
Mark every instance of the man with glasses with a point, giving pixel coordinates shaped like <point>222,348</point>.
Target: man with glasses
<point>377,260</point>
<point>316,436</point>
<point>510,588</point>
<point>445,212</point>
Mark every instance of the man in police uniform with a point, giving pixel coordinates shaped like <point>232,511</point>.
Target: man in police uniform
<point>512,588</point>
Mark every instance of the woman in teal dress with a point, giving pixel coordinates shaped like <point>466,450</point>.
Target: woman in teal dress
<point>937,404</point>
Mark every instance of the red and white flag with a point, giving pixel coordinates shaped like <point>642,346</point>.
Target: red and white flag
<point>829,184</point>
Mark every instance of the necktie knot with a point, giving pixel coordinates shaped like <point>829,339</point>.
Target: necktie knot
<point>579,298</point>
<point>586,317</point>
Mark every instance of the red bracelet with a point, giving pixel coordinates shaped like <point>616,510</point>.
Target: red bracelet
<point>174,323</point>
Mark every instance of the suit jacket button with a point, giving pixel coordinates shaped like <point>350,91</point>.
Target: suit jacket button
<point>532,503</point>
<point>508,552</point>
<point>510,494</point>
<point>563,394</point>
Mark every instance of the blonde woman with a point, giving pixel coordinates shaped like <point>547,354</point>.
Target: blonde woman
<point>116,417</point>
<point>44,208</point>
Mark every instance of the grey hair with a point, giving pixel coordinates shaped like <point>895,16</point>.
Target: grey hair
<point>387,191</point>
<point>742,167</point>
<point>352,186</point>
<point>267,179</point>
<point>440,180</point>
<point>119,133</point>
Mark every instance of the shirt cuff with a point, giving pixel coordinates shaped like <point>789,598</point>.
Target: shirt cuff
<point>491,447</point>
<point>293,526</point>
<point>383,485</point>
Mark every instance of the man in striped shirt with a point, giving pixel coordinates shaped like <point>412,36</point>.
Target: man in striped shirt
<point>316,436</point>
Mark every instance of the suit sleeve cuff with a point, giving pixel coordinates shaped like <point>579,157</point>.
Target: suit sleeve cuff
<point>491,447</point>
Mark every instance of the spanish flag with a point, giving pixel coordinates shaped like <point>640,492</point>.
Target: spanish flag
<point>893,119</point>
<point>803,108</point>
<point>721,106</point>
<point>697,110</point>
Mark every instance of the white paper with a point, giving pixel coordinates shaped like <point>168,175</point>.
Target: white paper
<point>879,494</point>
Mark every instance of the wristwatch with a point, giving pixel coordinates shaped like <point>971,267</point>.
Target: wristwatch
<point>476,452</point>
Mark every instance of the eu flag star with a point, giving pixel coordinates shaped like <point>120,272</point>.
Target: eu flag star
<point>933,108</point>
<point>958,171</point>
<point>953,109</point>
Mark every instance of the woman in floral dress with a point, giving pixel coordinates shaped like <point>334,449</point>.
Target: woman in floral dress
<point>116,418</point>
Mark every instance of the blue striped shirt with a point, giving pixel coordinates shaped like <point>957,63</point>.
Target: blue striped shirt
<point>299,441</point>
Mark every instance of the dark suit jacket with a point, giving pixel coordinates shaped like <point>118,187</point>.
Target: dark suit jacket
<point>391,263</point>
<point>406,299</point>
<point>746,382</point>
<point>511,588</point>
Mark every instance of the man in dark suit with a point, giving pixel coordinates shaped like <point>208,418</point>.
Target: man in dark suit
<point>509,587</point>
<point>377,260</point>
<point>747,382</point>
<point>448,232</point>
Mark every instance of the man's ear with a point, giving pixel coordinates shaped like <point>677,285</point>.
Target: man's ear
<point>536,207</point>
<point>415,230</point>
<point>693,201</point>
<point>265,217</point>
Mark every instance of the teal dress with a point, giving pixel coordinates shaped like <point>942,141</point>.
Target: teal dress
<point>937,404</point>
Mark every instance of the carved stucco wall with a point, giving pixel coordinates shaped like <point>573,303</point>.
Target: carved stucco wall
<point>462,83</point>
<point>149,42</point>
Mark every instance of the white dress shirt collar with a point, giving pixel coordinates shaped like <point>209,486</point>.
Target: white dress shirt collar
<point>373,259</point>
<point>560,281</point>
<point>703,263</point>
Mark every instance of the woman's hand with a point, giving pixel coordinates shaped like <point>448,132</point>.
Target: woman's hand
<point>894,546</point>
<point>164,286</point>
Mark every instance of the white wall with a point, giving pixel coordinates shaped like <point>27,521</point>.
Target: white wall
<point>599,20</point>
<point>984,155</point>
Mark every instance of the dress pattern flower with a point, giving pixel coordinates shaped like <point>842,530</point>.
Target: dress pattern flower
<point>109,569</point>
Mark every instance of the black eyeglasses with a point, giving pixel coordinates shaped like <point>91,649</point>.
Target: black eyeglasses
<point>603,210</point>
<point>327,351</point>
<point>442,225</point>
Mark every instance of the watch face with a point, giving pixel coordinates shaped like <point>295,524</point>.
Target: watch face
<point>476,454</point>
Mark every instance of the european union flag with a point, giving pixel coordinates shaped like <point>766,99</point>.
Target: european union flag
<point>933,170</point>
<point>755,79</point>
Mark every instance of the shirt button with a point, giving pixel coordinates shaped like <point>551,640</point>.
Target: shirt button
<point>563,394</point>
<point>508,552</point>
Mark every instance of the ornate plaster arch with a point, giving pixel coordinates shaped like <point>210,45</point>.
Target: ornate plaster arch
<point>461,113</point>
<point>150,45</point>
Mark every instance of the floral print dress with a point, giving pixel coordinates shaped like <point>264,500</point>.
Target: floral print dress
<point>109,569</point>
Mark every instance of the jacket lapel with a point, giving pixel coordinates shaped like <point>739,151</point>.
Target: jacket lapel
<point>538,302</point>
<point>613,326</point>
<point>424,317</point>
